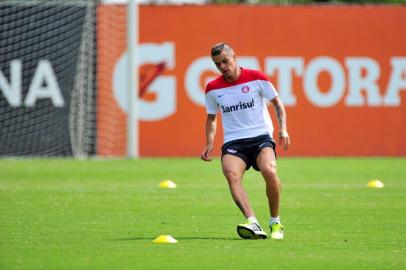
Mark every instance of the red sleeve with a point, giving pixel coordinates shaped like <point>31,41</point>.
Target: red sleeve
<point>258,75</point>
<point>214,84</point>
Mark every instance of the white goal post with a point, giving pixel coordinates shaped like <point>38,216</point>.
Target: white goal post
<point>133,81</point>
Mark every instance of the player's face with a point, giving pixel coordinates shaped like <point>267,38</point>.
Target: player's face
<point>225,63</point>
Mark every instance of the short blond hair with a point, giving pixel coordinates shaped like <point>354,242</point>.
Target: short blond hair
<point>220,47</point>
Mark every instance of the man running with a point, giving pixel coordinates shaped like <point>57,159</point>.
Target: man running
<point>240,95</point>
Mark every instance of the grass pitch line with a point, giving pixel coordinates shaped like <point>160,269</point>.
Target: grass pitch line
<point>163,239</point>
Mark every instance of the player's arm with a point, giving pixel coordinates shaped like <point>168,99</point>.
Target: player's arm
<point>283,135</point>
<point>211,125</point>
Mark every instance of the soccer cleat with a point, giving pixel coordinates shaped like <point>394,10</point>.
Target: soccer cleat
<point>276,231</point>
<point>251,231</point>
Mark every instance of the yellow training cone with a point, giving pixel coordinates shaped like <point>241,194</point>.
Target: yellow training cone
<point>165,239</point>
<point>375,184</point>
<point>167,184</point>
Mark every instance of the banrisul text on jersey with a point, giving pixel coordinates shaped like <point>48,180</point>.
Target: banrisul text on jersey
<point>239,106</point>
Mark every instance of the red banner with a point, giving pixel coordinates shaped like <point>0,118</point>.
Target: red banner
<point>340,71</point>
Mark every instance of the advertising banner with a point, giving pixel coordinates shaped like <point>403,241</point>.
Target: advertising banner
<point>340,71</point>
<point>39,46</point>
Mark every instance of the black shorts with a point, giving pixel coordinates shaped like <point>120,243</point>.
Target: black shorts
<point>248,149</point>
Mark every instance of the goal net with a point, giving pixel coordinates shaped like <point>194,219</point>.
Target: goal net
<point>47,77</point>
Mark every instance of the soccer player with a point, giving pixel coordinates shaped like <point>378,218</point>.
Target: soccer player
<point>240,95</point>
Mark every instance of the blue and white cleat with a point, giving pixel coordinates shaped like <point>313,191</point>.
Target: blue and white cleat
<point>251,231</point>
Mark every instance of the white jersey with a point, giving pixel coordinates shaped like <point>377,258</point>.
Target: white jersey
<point>242,104</point>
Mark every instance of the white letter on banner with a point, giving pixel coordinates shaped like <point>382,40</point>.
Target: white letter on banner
<point>334,94</point>
<point>357,83</point>
<point>397,81</point>
<point>248,62</point>
<point>12,90</point>
<point>192,78</point>
<point>285,66</point>
<point>44,74</point>
<point>163,86</point>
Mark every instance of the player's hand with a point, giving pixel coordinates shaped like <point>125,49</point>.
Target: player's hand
<point>206,153</point>
<point>284,139</point>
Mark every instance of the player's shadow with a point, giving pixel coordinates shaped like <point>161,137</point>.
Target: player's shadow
<point>178,238</point>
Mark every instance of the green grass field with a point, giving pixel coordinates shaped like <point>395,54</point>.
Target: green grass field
<point>104,214</point>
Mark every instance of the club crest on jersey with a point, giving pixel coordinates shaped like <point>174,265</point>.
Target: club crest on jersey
<point>245,89</point>
<point>237,107</point>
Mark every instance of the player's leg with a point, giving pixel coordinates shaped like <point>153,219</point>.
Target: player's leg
<point>234,169</point>
<point>266,162</point>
